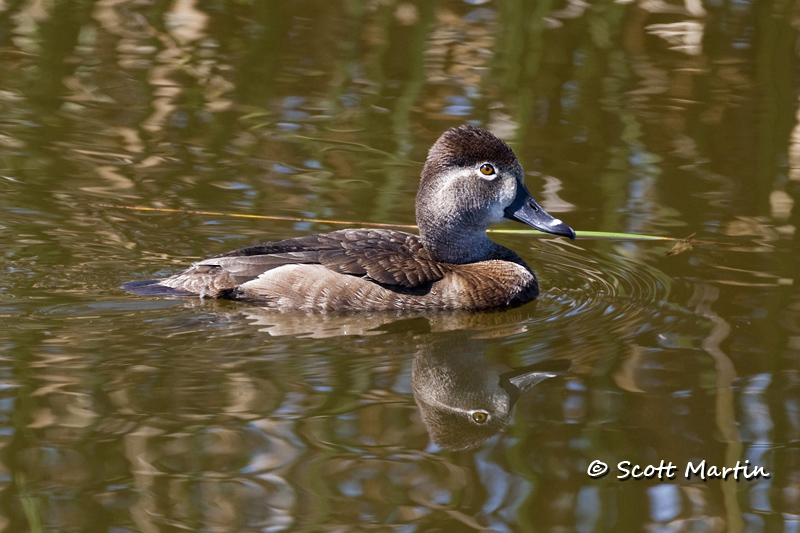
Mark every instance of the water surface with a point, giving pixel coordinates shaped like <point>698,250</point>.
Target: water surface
<point>126,413</point>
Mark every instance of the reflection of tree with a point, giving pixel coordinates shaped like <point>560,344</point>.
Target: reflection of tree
<point>161,91</point>
<point>157,435</point>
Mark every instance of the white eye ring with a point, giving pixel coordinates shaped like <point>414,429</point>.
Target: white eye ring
<point>487,171</point>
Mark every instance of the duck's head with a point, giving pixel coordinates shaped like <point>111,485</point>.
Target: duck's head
<point>470,181</point>
<point>464,397</point>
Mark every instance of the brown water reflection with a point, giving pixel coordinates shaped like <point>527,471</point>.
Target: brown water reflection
<point>121,413</point>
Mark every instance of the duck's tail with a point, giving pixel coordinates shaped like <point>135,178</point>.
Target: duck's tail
<point>153,287</point>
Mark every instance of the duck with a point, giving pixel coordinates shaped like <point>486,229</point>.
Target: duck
<point>470,181</point>
<point>464,398</point>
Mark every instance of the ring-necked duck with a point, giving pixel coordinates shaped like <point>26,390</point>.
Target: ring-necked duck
<point>471,180</point>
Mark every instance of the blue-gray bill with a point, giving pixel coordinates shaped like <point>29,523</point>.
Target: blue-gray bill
<point>525,209</point>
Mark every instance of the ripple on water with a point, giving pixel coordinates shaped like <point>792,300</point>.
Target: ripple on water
<point>584,285</point>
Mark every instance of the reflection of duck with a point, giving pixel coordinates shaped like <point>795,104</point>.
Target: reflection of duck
<point>484,325</point>
<point>470,181</point>
<point>463,397</point>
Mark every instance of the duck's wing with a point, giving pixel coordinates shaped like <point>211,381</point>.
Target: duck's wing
<point>388,257</point>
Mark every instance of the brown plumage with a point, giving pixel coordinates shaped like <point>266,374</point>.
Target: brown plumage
<point>471,180</point>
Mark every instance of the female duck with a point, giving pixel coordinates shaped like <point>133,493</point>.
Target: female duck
<point>471,180</point>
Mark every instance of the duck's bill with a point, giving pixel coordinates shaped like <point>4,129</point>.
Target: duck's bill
<point>526,210</point>
<point>521,380</point>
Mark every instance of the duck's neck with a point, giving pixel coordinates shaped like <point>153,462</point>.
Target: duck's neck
<point>460,246</point>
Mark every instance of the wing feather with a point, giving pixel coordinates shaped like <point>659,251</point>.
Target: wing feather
<point>392,258</point>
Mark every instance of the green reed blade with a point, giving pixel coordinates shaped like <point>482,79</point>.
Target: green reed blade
<point>589,235</point>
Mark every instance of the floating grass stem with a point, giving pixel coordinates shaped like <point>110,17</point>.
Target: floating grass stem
<point>529,232</point>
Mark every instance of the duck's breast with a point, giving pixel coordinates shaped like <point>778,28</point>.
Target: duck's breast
<point>487,284</point>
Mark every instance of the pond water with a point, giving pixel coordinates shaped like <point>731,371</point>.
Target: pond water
<point>121,412</point>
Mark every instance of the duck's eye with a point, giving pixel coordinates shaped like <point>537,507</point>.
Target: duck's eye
<point>480,417</point>
<point>487,169</point>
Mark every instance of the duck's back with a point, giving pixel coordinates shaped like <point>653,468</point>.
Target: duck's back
<point>353,269</point>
